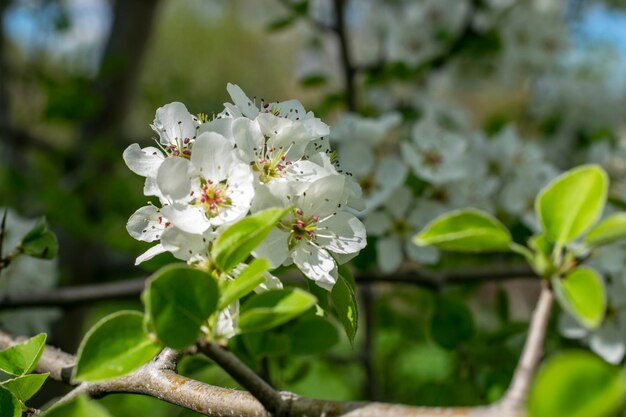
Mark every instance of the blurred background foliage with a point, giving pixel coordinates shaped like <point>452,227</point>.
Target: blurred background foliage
<point>81,79</point>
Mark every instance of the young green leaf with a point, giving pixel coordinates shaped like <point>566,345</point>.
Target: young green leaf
<point>343,296</point>
<point>572,203</point>
<point>40,242</point>
<point>115,346</point>
<point>467,230</point>
<point>22,358</point>
<point>179,301</point>
<point>248,280</point>
<point>581,293</point>
<point>236,243</point>
<point>9,405</point>
<point>451,323</point>
<point>272,308</point>
<point>78,407</point>
<point>609,230</point>
<point>312,335</point>
<point>576,384</point>
<point>25,386</point>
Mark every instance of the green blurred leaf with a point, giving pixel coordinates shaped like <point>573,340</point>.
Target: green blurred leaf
<point>248,280</point>
<point>22,358</point>
<point>113,347</point>
<point>281,23</point>
<point>179,301</point>
<point>9,405</point>
<point>315,80</point>
<point>452,323</point>
<point>40,242</point>
<point>312,335</point>
<point>581,293</point>
<point>467,230</point>
<point>343,296</point>
<point>236,243</point>
<point>609,230</point>
<point>25,386</point>
<point>572,203</point>
<point>576,384</point>
<point>78,407</point>
<point>273,308</point>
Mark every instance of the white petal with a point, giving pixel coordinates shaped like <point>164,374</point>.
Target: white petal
<point>242,101</point>
<point>144,162</point>
<point>400,202</point>
<point>391,172</point>
<point>316,264</point>
<point>378,223</point>
<point>609,342</point>
<point>389,254</point>
<point>173,177</point>
<point>212,156</point>
<point>341,233</point>
<point>173,122</point>
<point>274,248</point>
<point>144,224</point>
<point>187,218</point>
<point>185,246</point>
<point>357,158</point>
<point>249,139</point>
<point>150,253</point>
<point>271,283</point>
<point>323,197</point>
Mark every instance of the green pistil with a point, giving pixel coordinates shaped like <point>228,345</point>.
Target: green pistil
<point>270,168</point>
<point>300,228</point>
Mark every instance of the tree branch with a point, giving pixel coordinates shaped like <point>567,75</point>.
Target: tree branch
<point>155,380</point>
<point>515,397</point>
<point>261,390</point>
<point>349,71</point>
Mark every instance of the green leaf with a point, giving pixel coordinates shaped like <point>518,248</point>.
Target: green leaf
<point>78,407</point>
<point>312,335</point>
<point>467,230</point>
<point>576,384</point>
<point>343,296</point>
<point>581,293</point>
<point>22,358</point>
<point>452,323</point>
<point>248,280</point>
<point>39,242</point>
<point>113,347</point>
<point>572,203</point>
<point>611,229</point>
<point>9,405</point>
<point>25,386</point>
<point>179,301</point>
<point>236,243</point>
<point>272,308</point>
<point>265,344</point>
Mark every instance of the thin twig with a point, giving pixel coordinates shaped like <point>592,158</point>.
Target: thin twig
<point>261,390</point>
<point>515,397</point>
<point>349,71</point>
<point>72,296</point>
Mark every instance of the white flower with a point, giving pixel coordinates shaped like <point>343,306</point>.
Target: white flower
<point>212,189</point>
<point>400,218</point>
<point>435,154</point>
<point>314,231</point>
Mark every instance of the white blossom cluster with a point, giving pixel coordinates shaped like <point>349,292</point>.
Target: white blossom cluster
<point>437,164</point>
<point>207,174</point>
